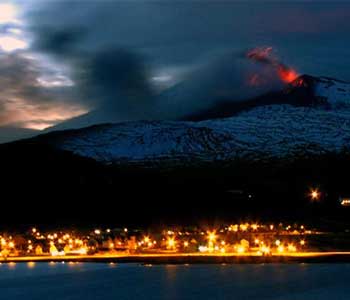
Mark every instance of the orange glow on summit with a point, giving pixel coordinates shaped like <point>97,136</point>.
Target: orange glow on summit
<point>287,75</point>
<point>265,55</point>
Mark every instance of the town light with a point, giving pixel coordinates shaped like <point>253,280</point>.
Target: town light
<point>265,250</point>
<point>244,227</point>
<point>212,236</point>
<point>254,226</point>
<point>171,243</point>
<point>315,194</point>
<point>292,248</point>
<point>240,249</point>
<point>280,249</point>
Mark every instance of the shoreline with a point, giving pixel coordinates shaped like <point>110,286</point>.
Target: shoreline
<point>157,259</point>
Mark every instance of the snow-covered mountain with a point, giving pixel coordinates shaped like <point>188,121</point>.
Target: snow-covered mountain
<point>261,132</point>
<point>321,90</point>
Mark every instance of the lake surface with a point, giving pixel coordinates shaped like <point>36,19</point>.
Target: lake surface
<point>82,281</point>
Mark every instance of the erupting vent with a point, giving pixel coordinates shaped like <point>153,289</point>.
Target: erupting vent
<point>266,56</point>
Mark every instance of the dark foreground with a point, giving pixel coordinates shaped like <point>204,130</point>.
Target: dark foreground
<point>133,281</point>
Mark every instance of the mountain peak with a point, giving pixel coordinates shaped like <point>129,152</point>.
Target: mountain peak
<point>324,91</point>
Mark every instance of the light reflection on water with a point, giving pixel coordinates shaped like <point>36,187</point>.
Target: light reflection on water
<point>77,281</point>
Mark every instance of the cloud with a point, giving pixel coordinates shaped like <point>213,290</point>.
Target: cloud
<point>24,102</point>
<point>144,60</point>
<point>33,94</point>
<point>114,61</point>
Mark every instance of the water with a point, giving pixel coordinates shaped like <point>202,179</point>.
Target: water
<point>85,281</point>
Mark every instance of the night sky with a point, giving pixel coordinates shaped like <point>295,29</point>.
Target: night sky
<point>110,61</point>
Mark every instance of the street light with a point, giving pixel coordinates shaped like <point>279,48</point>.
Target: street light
<point>315,194</point>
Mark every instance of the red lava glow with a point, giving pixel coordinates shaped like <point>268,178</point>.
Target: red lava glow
<point>266,56</point>
<point>287,75</point>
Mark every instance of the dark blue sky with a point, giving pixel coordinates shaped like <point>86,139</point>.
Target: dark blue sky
<point>61,59</point>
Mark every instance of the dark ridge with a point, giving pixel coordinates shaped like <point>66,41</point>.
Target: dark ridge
<point>43,185</point>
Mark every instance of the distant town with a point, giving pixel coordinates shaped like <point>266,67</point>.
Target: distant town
<point>244,239</point>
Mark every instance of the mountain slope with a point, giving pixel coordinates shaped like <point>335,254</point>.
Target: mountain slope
<point>276,131</point>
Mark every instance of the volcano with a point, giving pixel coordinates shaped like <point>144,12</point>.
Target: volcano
<point>279,142</point>
<point>310,116</point>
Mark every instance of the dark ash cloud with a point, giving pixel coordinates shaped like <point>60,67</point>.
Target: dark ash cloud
<point>114,49</point>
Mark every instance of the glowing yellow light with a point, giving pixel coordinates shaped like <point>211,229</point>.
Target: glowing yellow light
<point>240,249</point>
<point>82,251</point>
<point>315,194</point>
<point>185,244</point>
<point>271,227</point>
<point>302,242</point>
<point>222,250</point>
<point>280,249</point>
<point>125,229</point>
<point>146,239</point>
<point>97,231</point>
<point>223,243</point>
<point>278,242</point>
<point>34,230</point>
<point>171,243</point>
<point>30,247</point>
<point>243,227</point>
<point>108,230</point>
<point>292,248</point>
<point>265,250</point>
<point>3,242</point>
<point>111,245</point>
<point>254,226</point>
<point>256,241</point>
<point>212,236</point>
<point>11,244</point>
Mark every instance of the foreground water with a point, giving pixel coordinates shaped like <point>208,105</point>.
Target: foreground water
<point>84,281</point>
